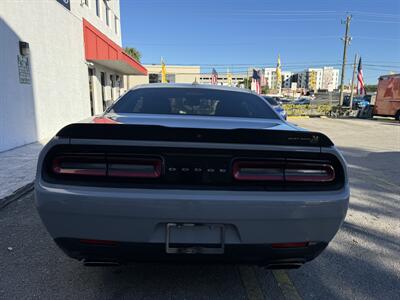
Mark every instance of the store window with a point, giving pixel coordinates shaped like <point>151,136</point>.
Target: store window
<point>154,78</point>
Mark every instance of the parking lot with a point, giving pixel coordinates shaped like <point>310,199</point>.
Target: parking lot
<point>362,262</point>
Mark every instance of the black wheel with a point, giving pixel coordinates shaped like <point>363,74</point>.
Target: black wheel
<point>397,116</point>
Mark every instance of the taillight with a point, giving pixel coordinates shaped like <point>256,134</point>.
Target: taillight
<point>134,168</point>
<point>99,165</point>
<point>258,170</point>
<point>79,165</point>
<point>309,172</point>
<point>288,171</point>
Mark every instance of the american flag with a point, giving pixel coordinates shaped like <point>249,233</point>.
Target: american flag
<point>360,79</point>
<point>255,82</point>
<point>214,76</point>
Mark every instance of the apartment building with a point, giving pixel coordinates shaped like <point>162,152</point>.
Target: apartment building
<point>286,79</point>
<point>330,78</point>
<point>61,61</point>
<point>318,78</point>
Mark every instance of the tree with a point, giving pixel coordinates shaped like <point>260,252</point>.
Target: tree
<point>370,88</point>
<point>246,82</point>
<point>133,52</point>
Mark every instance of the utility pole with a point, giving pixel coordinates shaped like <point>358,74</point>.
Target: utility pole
<point>346,41</point>
<point>353,80</point>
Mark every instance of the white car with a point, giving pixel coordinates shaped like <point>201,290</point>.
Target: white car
<point>191,172</point>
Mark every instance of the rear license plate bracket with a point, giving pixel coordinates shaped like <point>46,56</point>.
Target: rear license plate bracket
<point>194,238</point>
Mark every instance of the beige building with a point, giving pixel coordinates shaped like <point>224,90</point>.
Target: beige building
<point>224,79</point>
<point>175,74</point>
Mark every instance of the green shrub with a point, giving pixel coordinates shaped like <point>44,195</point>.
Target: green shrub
<point>307,110</point>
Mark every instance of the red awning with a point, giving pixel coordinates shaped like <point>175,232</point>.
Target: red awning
<point>103,51</point>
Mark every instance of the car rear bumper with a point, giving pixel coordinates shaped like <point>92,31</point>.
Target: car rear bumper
<point>139,216</point>
<point>125,252</point>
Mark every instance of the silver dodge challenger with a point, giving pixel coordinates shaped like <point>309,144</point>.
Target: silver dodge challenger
<point>191,173</point>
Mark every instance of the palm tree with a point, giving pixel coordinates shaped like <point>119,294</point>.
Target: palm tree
<point>133,52</point>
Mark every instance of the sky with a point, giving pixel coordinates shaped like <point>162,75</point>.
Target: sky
<point>238,34</point>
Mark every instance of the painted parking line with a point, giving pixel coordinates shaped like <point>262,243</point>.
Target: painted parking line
<point>250,282</point>
<point>285,284</point>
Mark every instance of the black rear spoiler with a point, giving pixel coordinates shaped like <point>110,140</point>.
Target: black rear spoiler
<point>204,135</point>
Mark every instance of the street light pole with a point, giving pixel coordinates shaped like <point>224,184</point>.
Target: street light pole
<point>346,43</point>
<point>353,80</point>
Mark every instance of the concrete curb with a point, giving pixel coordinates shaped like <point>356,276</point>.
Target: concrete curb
<point>307,117</point>
<point>16,195</point>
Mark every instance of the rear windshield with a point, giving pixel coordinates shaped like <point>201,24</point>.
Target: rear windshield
<point>193,101</point>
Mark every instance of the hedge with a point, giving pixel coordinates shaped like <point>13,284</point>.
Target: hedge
<point>308,109</point>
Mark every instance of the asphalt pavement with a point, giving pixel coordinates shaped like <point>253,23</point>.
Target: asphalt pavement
<point>362,262</point>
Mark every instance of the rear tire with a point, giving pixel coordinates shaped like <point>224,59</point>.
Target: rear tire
<point>397,116</point>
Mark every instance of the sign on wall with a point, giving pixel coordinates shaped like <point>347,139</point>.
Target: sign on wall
<point>65,3</point>
<point>24,69</point>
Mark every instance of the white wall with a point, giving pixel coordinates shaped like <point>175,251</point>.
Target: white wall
<point>17,107</point>
<point>98,103</point>
<point>59,93</point>
<point>89,13</point>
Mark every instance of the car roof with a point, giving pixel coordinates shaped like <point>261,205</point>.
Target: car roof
<point>194,86</point>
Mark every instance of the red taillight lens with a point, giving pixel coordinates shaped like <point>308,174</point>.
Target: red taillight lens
<point>80,165</point>
<point>134,168</point>
<point>289,171</point>
<point>309,172</point>
<point>98,165</point>
<point>258,170</point>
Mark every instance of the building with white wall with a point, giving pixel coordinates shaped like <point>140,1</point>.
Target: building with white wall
<point>270,77</point>
<point>286,79</point>
<point>60,61</point>
<point>330,79</point>
<point>318,78</point>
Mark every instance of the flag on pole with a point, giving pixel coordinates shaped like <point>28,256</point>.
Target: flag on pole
<point>255,82</point>
<point>163,71</point>
<point>360,79</point>
<point>278,74</point>
<point>214,76</point>
<point>229,77</point>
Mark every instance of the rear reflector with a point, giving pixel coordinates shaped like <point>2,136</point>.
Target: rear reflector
<point>290,171</point>
<point>135,168</point>
<point>290,245</point>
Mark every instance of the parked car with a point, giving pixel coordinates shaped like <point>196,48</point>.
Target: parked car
<point>276,106</point>
<point>191,173</point>
<point>358,101</point>
<point>284,101</point>
<point>302,101</point>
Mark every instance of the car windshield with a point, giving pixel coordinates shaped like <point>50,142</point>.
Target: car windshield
<point>193,101</point>
<point>271,101</point>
